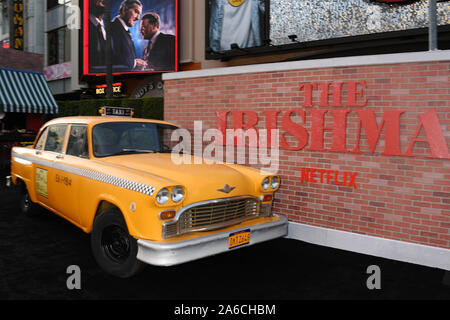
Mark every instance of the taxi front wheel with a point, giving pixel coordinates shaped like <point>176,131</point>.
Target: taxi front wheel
<point>112,246</point>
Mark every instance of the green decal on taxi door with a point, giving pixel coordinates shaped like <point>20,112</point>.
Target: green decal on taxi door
<point>41,182</point>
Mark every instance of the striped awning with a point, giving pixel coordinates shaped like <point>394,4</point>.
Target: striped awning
<point>22,91</point>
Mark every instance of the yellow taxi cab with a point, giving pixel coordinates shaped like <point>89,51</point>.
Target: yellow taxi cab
<point>114,178</point>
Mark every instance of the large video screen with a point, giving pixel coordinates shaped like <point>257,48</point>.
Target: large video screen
<point>252,24</point>
<point>143,36</point>
<point>237,24</point>
<point>333,19</point>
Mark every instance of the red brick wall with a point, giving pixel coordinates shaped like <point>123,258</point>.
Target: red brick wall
<point>20,60</point>
<point>399,197</point>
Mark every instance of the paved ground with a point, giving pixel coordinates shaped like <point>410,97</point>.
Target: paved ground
<point>36,252</point>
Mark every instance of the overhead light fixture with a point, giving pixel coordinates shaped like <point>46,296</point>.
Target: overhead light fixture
<point>293,37</point>
<point>268,42</point>
<point>235,46</point>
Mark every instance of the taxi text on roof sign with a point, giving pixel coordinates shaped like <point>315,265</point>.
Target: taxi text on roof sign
<point>116,112</point>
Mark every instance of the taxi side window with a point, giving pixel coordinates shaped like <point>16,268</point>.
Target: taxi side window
<point>41,140</point>
<point>77,144</point>
<point>55,138</point>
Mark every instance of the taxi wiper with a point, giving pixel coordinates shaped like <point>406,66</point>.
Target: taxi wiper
<point>131,151</point>
<point>165,151</point>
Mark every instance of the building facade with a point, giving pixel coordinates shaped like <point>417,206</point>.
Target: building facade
<point>56,29</point>
<point>25,99</point>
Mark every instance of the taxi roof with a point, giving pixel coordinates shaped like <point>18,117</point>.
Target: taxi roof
<point>93,120</point>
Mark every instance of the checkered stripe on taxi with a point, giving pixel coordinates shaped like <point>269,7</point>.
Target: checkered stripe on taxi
<point>119,182</point>
<point>94,175</point>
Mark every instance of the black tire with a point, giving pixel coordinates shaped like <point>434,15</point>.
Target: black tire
<point>112,246</point>
<point>27,206</point>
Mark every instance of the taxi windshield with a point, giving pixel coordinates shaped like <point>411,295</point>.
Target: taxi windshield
<point>119,138</point>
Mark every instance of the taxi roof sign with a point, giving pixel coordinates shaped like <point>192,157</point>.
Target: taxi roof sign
<point>116,112</point>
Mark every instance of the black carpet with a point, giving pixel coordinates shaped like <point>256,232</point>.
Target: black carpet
<point>36,252</point>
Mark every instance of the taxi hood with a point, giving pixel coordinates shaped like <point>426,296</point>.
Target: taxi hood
<point>200,180</point>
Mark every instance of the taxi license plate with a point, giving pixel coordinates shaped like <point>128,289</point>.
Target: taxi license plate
<point>237,239</point>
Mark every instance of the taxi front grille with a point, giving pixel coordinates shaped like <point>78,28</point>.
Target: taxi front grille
<point>213,214</point>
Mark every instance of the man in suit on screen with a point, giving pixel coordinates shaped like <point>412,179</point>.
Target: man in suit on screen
<point>97,36</point>
<point>159,54</point>
<point>124,51</point>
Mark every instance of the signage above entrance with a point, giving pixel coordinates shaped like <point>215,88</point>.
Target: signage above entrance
<point>101,88</point>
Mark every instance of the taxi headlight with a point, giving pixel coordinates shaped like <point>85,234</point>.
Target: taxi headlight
<point>265,183</point>
<point>163,196</point>
<point>274,182</point>
<point>177,194</point>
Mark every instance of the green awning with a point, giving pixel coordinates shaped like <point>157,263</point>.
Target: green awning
<point>23,91</point>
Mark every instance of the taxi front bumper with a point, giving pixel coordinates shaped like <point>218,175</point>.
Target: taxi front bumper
<point>173,253</point>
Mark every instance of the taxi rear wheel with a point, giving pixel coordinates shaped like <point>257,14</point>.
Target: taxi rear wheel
<point>113,247</point>
<point>27,206</point>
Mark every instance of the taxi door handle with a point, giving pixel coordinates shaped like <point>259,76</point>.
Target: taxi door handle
<point>59,156</point>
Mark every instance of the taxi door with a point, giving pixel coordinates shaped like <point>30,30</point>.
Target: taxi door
<point>63,180</point>
<point>45,175</point>
<point>41,165</point>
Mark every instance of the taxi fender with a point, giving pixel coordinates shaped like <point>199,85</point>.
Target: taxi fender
<point>114,202</point>
<point>28,184</point>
